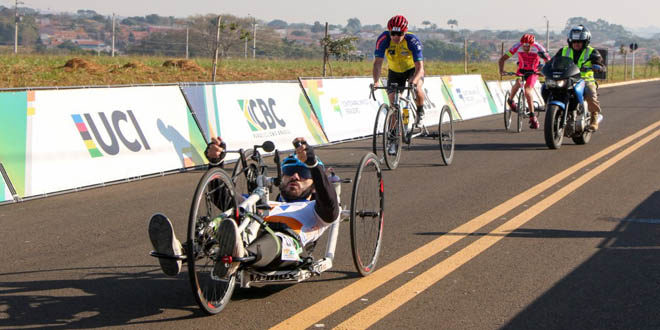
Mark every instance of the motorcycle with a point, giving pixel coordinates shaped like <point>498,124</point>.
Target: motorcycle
<point>566,109</point>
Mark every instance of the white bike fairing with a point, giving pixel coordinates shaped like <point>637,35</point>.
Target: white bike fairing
<point>300,217</point>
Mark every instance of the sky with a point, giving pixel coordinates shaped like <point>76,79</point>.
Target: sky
<point>470,14</point>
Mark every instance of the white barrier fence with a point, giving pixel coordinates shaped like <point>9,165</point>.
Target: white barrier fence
<point>59,140</point>
<point>80,137</point>
<point>245,114</point>
<point>5,194</point>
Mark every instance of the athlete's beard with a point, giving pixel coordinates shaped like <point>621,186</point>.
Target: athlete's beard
<point>303,196</point>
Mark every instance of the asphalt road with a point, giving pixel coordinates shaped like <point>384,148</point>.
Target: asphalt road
<point>505,237</point>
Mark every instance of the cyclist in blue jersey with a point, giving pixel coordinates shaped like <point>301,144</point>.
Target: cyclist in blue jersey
<point>306,207</point>
<point>404,59</point>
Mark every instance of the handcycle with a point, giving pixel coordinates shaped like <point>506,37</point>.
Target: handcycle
<point>400,125</point>
<point>521,102</point>
<point>216,199</point>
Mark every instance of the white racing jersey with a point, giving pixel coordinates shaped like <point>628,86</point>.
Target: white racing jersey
<point>300,217</point>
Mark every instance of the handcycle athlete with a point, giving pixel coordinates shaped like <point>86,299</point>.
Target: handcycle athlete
<point>308,205</point>
<point>404,59</point>
<point>258,241</point>
<point>529,51</point>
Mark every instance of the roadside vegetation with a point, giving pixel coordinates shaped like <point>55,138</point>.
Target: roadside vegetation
<point>64,70</point>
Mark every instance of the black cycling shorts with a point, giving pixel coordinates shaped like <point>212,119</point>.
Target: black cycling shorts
<point>399,78</point>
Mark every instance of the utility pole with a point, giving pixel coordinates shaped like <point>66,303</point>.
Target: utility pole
<point>217,45</point>
<point>465,55</point>
<point>246,41</point>
<point>16,19</point>
<point>254,39</point>
<point>113,34</point>
<point>325,49</point>
<point>187,40</point>
<point>547,34</point>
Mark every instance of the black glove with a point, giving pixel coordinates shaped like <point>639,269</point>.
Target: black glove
<point>216,161</point>
<point>311,157</point>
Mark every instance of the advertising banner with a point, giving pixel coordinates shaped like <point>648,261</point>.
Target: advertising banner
<point>245,114</point>
<point>67,139</point>
<point>538,97</point>
<point>343,106</point>
<point>470,95</point>
<point>5,194</point>
<point>497,93</point>
<point>436,97</point>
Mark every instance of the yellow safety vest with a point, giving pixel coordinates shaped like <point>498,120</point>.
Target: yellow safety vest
<point>583,61</point>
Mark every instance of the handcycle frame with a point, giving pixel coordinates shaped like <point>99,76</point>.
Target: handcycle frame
<point>406,132</point>
<point>521,101</point>
<point>201,243</point>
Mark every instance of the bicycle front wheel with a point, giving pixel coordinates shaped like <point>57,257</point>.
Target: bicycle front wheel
<point>378,126</point>
<point>446,135</point>
<point>367,215</point>
<point>215,197</point>
<point>392,140</point>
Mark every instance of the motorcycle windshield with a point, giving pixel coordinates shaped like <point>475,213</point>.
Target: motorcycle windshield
<point>561,67</point>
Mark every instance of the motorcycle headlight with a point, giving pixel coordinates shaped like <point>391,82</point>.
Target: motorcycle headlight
<point>551,83</point>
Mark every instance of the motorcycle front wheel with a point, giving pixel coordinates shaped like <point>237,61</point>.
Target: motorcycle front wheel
<point>554,128</point>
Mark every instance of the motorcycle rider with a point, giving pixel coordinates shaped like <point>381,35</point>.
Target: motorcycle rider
<point>588,60</point>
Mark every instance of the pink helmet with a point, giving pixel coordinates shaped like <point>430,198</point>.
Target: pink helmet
<point>528,38</point>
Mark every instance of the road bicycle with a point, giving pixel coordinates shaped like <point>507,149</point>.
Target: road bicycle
<point>216,198</point>
<point>522,110</point>
<point>400,125</point>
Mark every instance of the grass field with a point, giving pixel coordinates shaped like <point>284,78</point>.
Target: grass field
<point>49,70</point>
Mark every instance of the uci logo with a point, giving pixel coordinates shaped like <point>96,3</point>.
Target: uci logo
<point>113,130</point>
<point>260,114</point>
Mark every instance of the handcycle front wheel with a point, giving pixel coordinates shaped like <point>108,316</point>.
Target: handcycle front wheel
<point>446,135</point>
<point>215,194</point>
<point>392,139</point>
<point>367,202</point>
<point>378,126</point>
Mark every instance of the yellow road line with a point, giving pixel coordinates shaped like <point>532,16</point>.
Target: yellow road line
<point>405,293</point>
<point>322,309</point>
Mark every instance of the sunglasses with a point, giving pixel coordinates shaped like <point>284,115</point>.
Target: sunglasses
<point>525,45</point>
<point>396,33</point>
<point>303,172</point>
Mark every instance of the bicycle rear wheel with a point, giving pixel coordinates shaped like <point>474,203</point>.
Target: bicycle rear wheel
<point>367,215</point>
<point>378,126</point>
<point>215,197</point>
<point>507,111</point>
<point>392,140</point>
<point>522,105</point>
<point>446,135</point>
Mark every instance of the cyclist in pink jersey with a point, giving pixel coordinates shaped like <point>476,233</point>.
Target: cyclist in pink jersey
<point>529,54</point>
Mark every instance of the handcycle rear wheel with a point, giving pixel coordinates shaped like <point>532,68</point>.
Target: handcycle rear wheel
<point>392,140</point>
<point>214,195</point>
<point>378,126</point>
<point>507,111</point>
<point>367,215</point>
<point>446,135</point>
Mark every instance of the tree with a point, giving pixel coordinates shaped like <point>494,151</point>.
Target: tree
<point>277,24</point>
<point>353,26</point>
<point>339,48</point>
<point>426,24</point>
<point>453,23</point>
<point>318,28</point>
